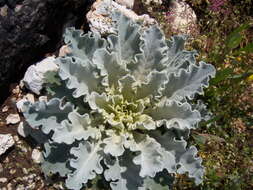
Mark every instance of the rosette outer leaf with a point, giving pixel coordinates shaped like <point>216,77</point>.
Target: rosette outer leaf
<point>124,112</point>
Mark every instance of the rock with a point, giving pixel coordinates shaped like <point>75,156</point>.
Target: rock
<point>16,139</point>
<point>12,119</point>
<point>31,29</point>
<point>127,3</point>
<point>9,186</point>
<point>3,180</point>
<point>5,109</point>
<point>30,98</point>
<point>34,76</point>
<point>12,171</point>
<point>36,156</point>
<point>21,130</point>
<point>6,141</point>
<point>182,19</point>
<point>100,16</point>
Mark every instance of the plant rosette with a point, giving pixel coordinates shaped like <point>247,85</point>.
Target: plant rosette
<point>121,109</point>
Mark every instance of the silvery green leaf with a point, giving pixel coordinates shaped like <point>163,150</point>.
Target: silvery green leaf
<point>109,66</point>
<point>36,134</point>
<point>149,156</point>
<point>162,181</point>
<point>99,102</point>
<point>184,157</point>
<point>153,86</point>
<point>55,159</point>
<point>153,53</point>
<point>128,87</point>
<point>169,161</point>
<point>48,115</point>
<point>175,45</point>
<point>62,92</point>
<point>81,75</point>
<point>126,42</point>
<point>183,60</point>
<point>86,164</point>
<point>145,122</point>
<point>83,45</point>
<point>191,164</point>
<point>187,83</point>
<point>123,174</point>
<point>202,108</point>
<point>174,114</point>
<point>114,143</point>
<point>79,128</point>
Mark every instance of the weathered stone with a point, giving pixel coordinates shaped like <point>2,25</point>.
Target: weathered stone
<point>5,109</point>
<point>36,155</point>
<point>34,76</point>
<point>100,16</point>
<point>20,129</point>
<point>182,19</point>
<point>127,3</point>
<point>12,119</point>
<point>6,141</point>
<point>3,180</point>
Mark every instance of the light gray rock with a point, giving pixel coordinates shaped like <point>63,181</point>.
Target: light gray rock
<point>21,130</point>
<point>34,76</point>
<point>100,16</point>
<point>5,109</point>
<point>36,156</point>
<point>12,119</point>
<point>3,180</point>
<point>182,19</point>
<point>6,141</point>
<point>127,3</point>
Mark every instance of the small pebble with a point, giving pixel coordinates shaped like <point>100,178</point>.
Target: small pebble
<point>3,180</point>
<point>12,119</point>
<point>16,138</point>
<point>36,155</point>
<point>5,109</point>
<point>12,171</point>
<point>25,171</point>
<point>6,141</point>
<point>30,98</point>
<point>9,186</point>
<point>21,131</point>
